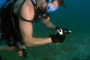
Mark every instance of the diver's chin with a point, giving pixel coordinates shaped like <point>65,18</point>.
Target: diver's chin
<point>43,9</point>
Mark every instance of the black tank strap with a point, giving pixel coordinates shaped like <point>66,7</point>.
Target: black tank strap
<point>25,19</point>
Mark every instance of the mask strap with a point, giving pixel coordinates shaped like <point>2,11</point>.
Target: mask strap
<point>50,1</point>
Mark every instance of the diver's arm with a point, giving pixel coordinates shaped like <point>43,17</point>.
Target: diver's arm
<point>26,28</point>
<point>49,24</point>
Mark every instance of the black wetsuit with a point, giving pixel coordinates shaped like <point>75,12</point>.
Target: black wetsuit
<point>10,22</point>
<point>9,25</point>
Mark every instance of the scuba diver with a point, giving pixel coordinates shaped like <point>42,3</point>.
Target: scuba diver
<point>18,17</point>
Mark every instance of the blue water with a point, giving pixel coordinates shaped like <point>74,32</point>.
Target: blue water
<point>75,17</point>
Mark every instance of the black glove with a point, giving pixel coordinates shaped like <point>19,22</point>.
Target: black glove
<point>60,35</point>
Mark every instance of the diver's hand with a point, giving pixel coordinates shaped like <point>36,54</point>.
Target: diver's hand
<point>60,35</point>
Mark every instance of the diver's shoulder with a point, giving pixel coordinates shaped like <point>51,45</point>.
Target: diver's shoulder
<point>17,5</point>
<point>22,3</point>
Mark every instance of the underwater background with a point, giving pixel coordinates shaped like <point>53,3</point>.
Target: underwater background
<point>75,17</point>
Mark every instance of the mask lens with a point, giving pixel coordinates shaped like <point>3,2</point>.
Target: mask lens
<point>51,8</point>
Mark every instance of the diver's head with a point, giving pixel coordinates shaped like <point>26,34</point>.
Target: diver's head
<point>50,5</point>
<point>54,4</point>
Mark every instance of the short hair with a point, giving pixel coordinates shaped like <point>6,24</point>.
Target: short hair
<point>61,2</point>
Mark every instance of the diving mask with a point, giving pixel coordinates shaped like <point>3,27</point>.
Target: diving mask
<point>51,8</point>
